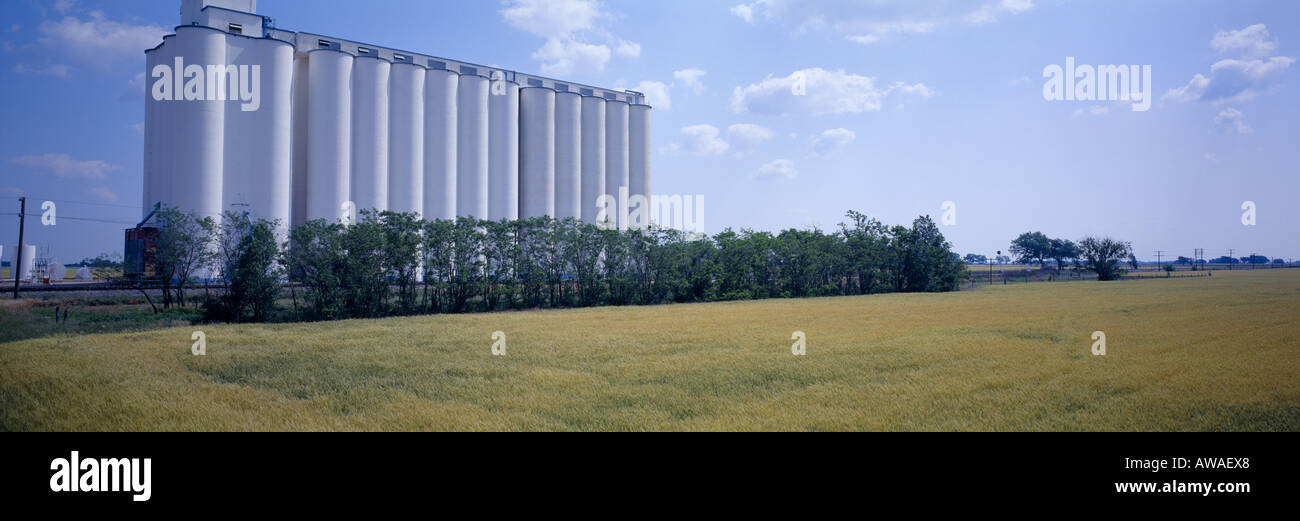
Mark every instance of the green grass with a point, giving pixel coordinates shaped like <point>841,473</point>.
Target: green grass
<point>1214,353</point>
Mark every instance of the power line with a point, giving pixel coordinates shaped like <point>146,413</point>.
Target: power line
<point>89,219</point>
<point>84,202</point>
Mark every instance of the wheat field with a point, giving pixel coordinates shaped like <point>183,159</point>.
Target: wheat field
<point>1214,353</point>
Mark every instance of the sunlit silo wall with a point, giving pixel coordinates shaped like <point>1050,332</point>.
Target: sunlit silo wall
<point>337,122</point>
<point>568,155</point>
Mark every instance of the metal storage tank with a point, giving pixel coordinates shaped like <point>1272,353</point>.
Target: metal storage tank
<point>196,133</point>
<point>568,155</point>
<point>503,149</point>
<point>536,152</point>
<point>472,146</point>
<point>593,155</point>
<point>616,155</point>
<point>258,155</point>
<point>370,132</point>
<point>440,100</point>
<point>29,262</point>
<point>329,144</point>
<point>300,130</point>
<point>406,138</point>
<point>638,157</point>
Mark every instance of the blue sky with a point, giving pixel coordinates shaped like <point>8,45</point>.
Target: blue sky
<point>905,105</point>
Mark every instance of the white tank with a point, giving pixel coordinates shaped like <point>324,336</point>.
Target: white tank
<point>440,100</point>
<point>28,265</point>
<point>536,152</point>
<point>164,139</point>
<point>638,155</point>
<point>406,138</point>
<point>150,127</point>
<point>472,147</point>
<point>301,128</point>
<point>370,133</point>
<point>568,155</point>
<point>616,154</point>
<point>329,141</point>
<point>198,126</point>
<point>503,150</point>
<point>593,155</point>
<point>258,154</point>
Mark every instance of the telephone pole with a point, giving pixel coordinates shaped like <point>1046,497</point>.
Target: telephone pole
<point>1158,254</point>
<point>1230,258</point>
<point>18,257</point>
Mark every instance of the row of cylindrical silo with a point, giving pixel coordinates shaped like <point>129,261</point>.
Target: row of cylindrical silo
<point>338,131</point>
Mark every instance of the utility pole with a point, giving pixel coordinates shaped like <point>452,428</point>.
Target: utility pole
<point>18,257</point>
<point>1158,254</point>
<point>1230,259</point>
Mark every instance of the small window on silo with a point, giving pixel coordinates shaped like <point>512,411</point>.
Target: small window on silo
<point>399,57</point>
<point>324,44</point>
<point>237,28</point>
<point>363,50</point>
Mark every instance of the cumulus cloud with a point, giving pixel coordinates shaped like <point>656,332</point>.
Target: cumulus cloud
<point>746,137</point>
<point>778,168</point>
<point>104,194</point>
<point>1240,78</point>
<point>64,166</point>
<point>57,71</point>
<point>869,22</point>
<point>690,78</point>
<point>818,91</point>
<point>573,43</point>
<point>656,94</point>
<point>832,140</point>
<point>703,140</point>
<point>1232,121</point>
<point>97,43</point>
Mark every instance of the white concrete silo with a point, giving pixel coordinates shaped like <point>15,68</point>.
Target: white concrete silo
<point>406,138</point>
<point>162,142</point>
<point>616,155</point>
<point>472,146</point>
<point>28,265</point>
<point>536,152</point>
<point>148,167</point>
<point>440,129</point>
<point>370,75</point>
<point>196,132</point>
<point>258,148</point>
<point>329,143</point>
<point>301,128</point>
<point>568,155</point>
<point>593,155</point>
<point>503,149</point>
<point>638,159</point>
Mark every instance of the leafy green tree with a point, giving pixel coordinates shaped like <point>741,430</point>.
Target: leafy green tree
<point>1062,250</point>
<point>1103,255</point>
<point>247,253</point>
<point>1030,247</point>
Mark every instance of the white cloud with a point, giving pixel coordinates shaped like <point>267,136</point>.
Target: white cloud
<point>818,91</point>
<point>778,168</point>
<point>868,22</point>
<point>104,194</point>
<point>703,140</point>
<point>58,71</point>
<point>564,56</point>
<point>65,167</point>
<point>988,13</point>
<point>1232,121</point>
<point>1236,79</point>
<point>628,49</point>
<point>746,137</point>
<point>98,43</point>
<point>690,78</point>
<point>63,6</point>
<point>745,12</point>
<point>1252,41</point>
<point>831,140</point>
<point>574,44</point>
<point>138,128</point>
<point>656,94</point>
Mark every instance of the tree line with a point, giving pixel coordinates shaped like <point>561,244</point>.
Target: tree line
<point>390,263</point>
